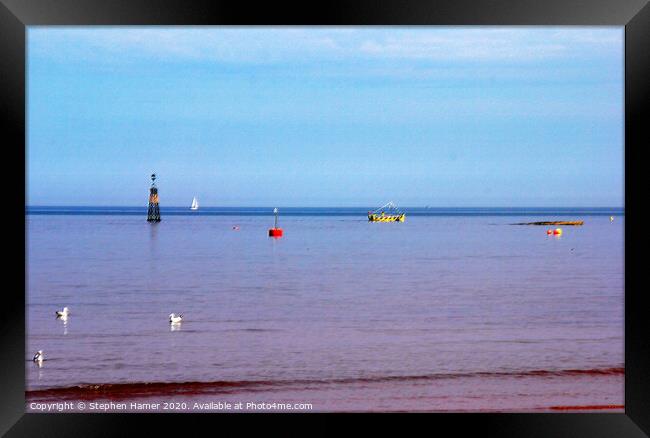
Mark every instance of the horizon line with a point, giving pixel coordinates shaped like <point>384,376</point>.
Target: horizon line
<point>322,206</point>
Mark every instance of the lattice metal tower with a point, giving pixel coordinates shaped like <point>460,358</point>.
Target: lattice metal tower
<point>153,213</point>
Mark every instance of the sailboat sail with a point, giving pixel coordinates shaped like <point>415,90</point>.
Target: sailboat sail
<point>195,204</point>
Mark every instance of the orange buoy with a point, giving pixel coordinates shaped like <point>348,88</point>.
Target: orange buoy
<point>549,231</point>
<point>275,231</point>
<point>557,231</point>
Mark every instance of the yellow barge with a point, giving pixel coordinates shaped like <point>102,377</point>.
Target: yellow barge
<point>383,217</point>
<point>380,215</point>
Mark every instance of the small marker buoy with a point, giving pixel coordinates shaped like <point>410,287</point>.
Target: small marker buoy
<point>611,218</point>
<point>275,231</point>
<point>549,231</point>
<point>557,231</point>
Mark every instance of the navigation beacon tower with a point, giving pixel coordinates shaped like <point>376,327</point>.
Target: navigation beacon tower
<point>153,213</point>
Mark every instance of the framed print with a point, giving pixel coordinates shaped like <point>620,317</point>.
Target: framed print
<point>399,208</point>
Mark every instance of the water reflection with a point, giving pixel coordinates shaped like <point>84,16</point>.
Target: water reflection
<point>64,319</point>
<point>154,272</point>
<point>153,234</point>
<point>175,327</point>
<point>153,242</point>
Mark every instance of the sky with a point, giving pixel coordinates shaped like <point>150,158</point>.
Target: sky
<point>326,116</point>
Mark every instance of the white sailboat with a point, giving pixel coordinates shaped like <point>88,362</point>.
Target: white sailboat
<point>195,204</point>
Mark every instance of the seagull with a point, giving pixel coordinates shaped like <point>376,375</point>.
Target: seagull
<point>175,319</point>
<point>39,357</point>
<point>63,314</point>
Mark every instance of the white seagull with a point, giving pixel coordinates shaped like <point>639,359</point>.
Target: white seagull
<point>39,357</point>
<point>63,314</point>
<point>175,319</point>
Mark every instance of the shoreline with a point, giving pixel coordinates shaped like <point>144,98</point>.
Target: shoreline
<point>548,391</point>
<point>199,387</point>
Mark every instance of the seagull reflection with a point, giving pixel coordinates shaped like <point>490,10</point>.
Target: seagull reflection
<point>175,327</point>
<point>64,319</point>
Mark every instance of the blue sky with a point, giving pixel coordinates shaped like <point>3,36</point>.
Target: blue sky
<point>328,116</point>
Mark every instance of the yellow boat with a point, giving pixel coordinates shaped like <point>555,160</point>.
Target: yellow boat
<point>380,215</point>
<point>383,217</point>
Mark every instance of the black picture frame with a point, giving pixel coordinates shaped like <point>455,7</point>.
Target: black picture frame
<point>15,15</point>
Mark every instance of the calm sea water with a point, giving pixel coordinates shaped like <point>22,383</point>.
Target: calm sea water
<point>447,311</point>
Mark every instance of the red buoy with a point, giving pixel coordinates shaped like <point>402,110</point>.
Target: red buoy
<point>275,231</point>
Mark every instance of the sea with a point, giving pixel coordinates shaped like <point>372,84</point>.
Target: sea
<point>453,310</point>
